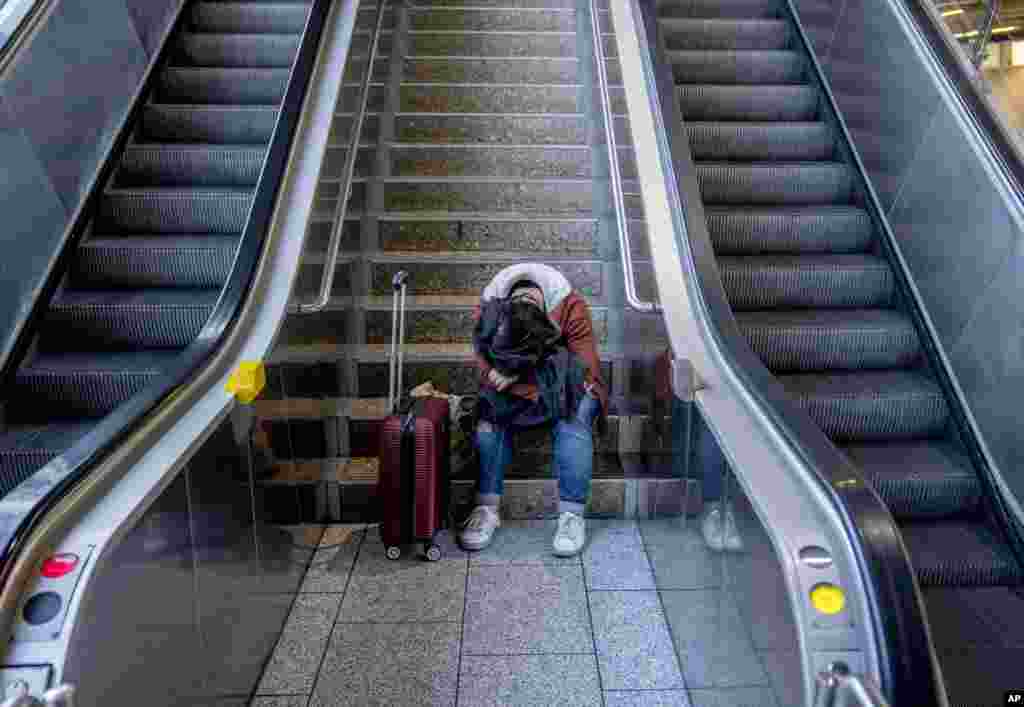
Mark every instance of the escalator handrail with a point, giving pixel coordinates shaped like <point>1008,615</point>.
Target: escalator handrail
<point>75,464</point>
<point>22,17</point>
<point>909,673</point>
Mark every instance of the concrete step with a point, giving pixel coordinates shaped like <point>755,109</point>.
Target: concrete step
<point>474,234</point>
<point>525,197</point>
<point>485,128</point>
<point>491,44</point>
<point>470,69</point>
<point>423,160</point>
<point>499,19</point>
<point>469,98</point>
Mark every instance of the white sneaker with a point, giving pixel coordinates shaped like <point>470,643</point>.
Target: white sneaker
<point>479,528</point>
<point>721,535</point>
<point>570,535</point>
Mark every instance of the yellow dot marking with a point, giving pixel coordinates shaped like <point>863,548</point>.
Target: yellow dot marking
<point>247,381</point>
<point>828,599</point>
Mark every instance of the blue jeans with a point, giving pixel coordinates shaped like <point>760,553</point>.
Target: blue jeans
<point>708,461</point>
<point>574,457</point>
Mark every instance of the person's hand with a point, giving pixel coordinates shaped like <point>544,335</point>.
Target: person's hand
<point>499,381</point>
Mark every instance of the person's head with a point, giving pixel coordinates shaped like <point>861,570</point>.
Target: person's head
<point>528,292</point>
<point>524,336</point>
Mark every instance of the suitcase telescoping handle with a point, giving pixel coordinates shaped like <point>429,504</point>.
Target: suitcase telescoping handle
<point>398,284</point>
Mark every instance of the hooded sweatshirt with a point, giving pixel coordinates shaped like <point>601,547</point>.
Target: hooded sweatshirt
<point>567,310</point>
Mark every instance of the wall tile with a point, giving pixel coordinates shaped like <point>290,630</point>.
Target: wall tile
<point>32,229</point>
<point>151,18</point>
<point>73,87</point>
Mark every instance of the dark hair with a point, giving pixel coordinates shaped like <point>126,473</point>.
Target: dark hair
<point>524,338</point>
<point>523,285</point>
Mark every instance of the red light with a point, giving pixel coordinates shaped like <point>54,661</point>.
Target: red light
<point>59,565</point>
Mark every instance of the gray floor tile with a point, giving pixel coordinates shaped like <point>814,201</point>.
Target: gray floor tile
<point>408,589</point>
<point>522,541</point>
<point>681,560</point>
<point>615,558</point>
<point>646,698</point>
<point>713,643</point>
<point>292,668</point>
<point>283,701</point>
<point>528,680</point>
<point>734,697</point>
<point>390,665</point>
<point>329,570</point>
<point>526,609</point>
<point>634,648</point>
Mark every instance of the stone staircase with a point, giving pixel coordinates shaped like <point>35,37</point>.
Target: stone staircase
<point>484,146</point>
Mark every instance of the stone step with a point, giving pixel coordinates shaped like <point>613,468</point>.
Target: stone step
<point>480,129</point>
<point>423,160</point>
<point>469,70</point>
<point>505,20</point>
<point>512,196</point>
<point>490,44</point>
<point>356,501</point>
<point>469,98</point>
<point>482,235</point>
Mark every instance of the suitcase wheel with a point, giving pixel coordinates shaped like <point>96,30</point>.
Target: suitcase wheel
<point>433,553</point>
<point>393,552</point>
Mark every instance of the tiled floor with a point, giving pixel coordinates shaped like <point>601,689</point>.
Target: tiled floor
<point>642,618</point>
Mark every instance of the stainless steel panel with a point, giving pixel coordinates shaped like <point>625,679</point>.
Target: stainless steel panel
<point>137,632</point>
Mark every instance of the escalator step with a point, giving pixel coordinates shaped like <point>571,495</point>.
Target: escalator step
<point>26,448</point>
<point>727,102</point>
<point>233,125</point>
<point>190,165</point>
<point>85,384</point>
<point>154,261</point>
<point>719,66</point>
<point>694,33</point>
<point>755,142</point>
<point>924,479</point>
<point>834,229</point>
<point>959,553</point>
<point>785,281</point>
<point>221,86</point>
<point>124,319</point>
<point>745,9</point>
<point>830,339</point>
<point>228,50</point>
<point>173,211</point>
<point>249,17</point>
<point>798,184</point>
<point>870,405</point>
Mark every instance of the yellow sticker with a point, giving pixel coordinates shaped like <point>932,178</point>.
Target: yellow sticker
<point>828,599</point>
<point>247,381</point>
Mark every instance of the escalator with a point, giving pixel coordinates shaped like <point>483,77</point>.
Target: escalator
<point>815,294</point>
<point>162,237</point>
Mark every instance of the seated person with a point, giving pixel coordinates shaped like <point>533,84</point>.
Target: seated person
<point>538,362</point>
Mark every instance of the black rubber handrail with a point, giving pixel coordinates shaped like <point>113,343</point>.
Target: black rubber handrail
<point>27,22</point>
<point>79,460</point>
<point>908,666</point>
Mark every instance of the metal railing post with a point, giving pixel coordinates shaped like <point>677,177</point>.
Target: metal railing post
<point>632,298</point>
<point>338,226</point>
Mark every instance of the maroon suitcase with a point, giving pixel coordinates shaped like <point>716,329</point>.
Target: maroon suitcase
<point>413,485</point>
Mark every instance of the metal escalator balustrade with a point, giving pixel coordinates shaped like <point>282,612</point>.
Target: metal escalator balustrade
<point>81,405</point>
<point>806,273</point>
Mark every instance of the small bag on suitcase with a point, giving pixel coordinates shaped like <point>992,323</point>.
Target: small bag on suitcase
<point>413,485</point>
